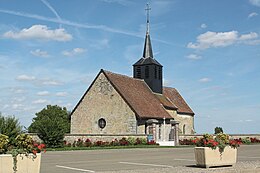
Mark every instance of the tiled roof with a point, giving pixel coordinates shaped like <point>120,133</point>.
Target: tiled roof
<point>177,100</point>
<point>138,96</point>
<point>165,101</point>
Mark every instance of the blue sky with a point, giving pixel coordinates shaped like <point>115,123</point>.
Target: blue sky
<point>51,50</point>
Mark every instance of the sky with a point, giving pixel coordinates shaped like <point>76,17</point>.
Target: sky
<point>51,50</point>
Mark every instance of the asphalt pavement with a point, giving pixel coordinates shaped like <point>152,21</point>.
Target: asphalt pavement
<point>141,160</point>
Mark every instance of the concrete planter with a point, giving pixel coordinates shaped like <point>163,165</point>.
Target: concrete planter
<point>207,157</point>
<point>25,164</point>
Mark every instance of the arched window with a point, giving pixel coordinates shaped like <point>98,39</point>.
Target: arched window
<point>183,130</point>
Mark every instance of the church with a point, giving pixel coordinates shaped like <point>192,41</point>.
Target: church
<point>119,104</point>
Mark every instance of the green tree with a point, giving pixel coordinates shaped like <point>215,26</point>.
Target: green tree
<point>10,127</point>
<point>51,124</point>
<point>218,130</point>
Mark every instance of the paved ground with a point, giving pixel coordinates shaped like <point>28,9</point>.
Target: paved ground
<point>142,160</point>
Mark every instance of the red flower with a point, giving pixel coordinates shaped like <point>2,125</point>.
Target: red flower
<point>34,152</point>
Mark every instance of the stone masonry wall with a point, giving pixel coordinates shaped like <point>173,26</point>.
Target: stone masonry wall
<point>186,120</point>
<point>103,101</point>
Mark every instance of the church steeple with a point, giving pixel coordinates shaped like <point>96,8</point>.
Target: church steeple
<point>148,52</point>
<point>147,67</point>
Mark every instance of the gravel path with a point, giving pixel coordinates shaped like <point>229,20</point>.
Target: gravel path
<point>240,167</point>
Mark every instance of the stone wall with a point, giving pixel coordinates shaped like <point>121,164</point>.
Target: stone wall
<point>232,136</point>
<point>103,101</point>
<point>186,121</point>
<point>70,138</point>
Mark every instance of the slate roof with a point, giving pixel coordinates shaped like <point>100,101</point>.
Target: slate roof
<point>143,101</point>
<point>146,61</point>
<point>147,53</point>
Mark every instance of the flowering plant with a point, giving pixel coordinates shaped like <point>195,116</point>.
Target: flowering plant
<point>221,141</point>
<point>23,144</point>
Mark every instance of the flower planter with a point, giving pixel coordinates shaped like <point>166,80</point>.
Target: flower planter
<point>207,157</point>
<point>25,164</point>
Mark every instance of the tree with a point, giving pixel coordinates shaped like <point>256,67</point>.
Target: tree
<point>51,124</point>
<point>10,127</point>
<point>218,130</point>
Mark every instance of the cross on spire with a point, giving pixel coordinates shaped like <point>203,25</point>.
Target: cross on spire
<point>148,8</point>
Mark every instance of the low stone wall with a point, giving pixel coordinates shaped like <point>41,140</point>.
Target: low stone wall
<point>99,137</point>
<point>232,136</point>
<point>70,138</point>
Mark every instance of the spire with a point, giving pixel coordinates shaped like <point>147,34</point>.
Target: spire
<point>148,52</point>
<point>147,18</point>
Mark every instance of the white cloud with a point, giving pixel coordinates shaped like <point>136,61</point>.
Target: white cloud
<point>255,2</point>
<point>43,93</point>
<point>71,23</point>
<point>25,78</point>
<point>40,101</point>
<point>75,51</point>
<point>40,32</point>
<point>252,15</point>
<point>40,53</point>
<point>50,82</point>
<point>193,57</point>
<point>203,25</point>
<point>17,106</point>
<point>61,94</point>
<point>221,39</point>
<point>204,80</point>
<point>250,36</point>
<point>19,91</point>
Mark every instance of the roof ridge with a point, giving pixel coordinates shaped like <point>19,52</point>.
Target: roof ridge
<point>122,75</point>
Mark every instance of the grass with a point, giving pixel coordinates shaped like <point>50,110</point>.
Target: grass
<point>114,147</point>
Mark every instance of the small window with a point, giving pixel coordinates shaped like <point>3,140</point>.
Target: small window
<point>138,72</point>
<point>155,72</point>
<point>183,130</point>
<point>160,72</point>
<point>102,123</point>
<point>146,71</point>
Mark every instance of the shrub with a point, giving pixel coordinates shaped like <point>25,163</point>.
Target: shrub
<point>123,141</point>
<point>79,143</point>
<point>246,140</point>
<point>114,142</point>
<point>51,124</point>
<point>10,127</point>
<point>186,142</point>
<point>4,140</point>
<point>99,143</point>
<point>152,142</point>
<point>218,130</point>
<point>87,143</point>
<point>131,140</point>
<point>143,141</point>
<point>254,140</point>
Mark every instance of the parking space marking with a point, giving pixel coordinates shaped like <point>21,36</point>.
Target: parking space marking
<point>249,157</point>
<point>75,169</point>
<point>145,164</point>
<point>185,160</point>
